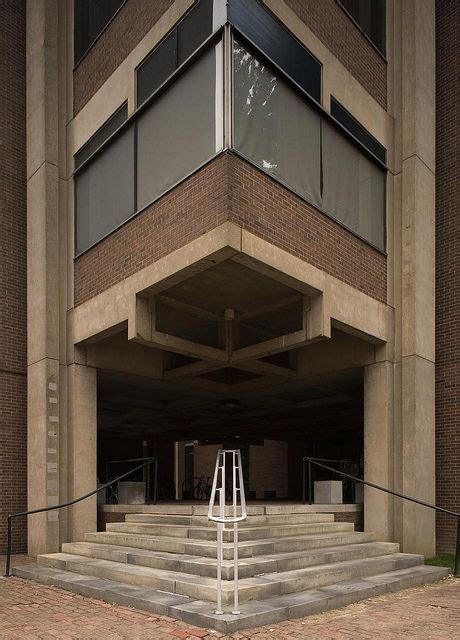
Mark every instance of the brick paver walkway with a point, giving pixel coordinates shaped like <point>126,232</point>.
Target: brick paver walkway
<point>29,610</point>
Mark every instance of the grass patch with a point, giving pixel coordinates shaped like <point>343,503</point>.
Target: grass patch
<point>443,560</point>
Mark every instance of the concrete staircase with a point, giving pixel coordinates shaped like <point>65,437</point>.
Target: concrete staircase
<point>293,563</point>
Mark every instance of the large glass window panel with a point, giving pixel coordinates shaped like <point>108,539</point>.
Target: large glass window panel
<point>274,127</point>
<point>105,191</point>
<point>353,187</point>
<point>177,132</point>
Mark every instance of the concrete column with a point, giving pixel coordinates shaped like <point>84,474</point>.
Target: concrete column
<point>82,448</point>
<point>43,415</point>
<point>412,104</point>
<point>378,448</point>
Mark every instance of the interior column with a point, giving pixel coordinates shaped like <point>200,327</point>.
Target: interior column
<point>82,448</point>
<point>378,448</point>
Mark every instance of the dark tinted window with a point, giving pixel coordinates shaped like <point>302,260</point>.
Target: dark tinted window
<point>357,130</point>
<point>266,33</point>
<point>160,64</point>
<point>90,19</point>
<point>194,29</point>
<point>370,15</point>
<point>178,45</point>
<point>101,135</point>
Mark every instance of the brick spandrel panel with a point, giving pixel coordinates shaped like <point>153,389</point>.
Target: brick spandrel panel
<point>126,30</point>
<point>229,188</point>
<point>13,322</point>
<point>447,270</point>
<point>343,38</point>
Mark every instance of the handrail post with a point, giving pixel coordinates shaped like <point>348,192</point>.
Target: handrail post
<point>310,485</point>
<point>457,551</point>
<point>155,481</point>
<point>8,547</point>
<point>304,480</point>
<point>147,484</point>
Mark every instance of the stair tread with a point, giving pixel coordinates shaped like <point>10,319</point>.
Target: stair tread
<point>241,543</point>
<point>253,560</point>
<point>244,583</point>
<point>286,525</point>
<point>253,613</point>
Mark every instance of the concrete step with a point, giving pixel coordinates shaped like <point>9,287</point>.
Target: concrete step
<point>248,533</point>
<point>250,548</point>
<point>248,567</point>
<point>253,613</point>
<point>254,588</point>
<point>252,520</point>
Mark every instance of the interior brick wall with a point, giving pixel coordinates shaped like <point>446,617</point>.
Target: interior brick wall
<point>229,188</point>
<point>447,270</point>
<point>125,31</point>
<point>13,322</point>
<point>268,469</point>
<point>343,38</point>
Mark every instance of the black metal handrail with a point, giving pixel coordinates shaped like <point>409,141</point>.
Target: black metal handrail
<point>64,504</point>
<point>393,493</point>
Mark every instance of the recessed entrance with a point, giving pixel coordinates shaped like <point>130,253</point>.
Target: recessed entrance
<point>185,426</point>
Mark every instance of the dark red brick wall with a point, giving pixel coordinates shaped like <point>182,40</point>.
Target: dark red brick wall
<point>447,268</point>
<point>13,324</point>
<point>229,188</point>
<point>126,30</point>
<point>339,33</point>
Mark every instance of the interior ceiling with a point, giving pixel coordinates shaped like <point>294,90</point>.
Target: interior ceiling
<point>134,406</point>
<point>229,285</point>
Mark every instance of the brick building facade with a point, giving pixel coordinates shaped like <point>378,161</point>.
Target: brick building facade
<point>99,321</point>
<point>13,265</point>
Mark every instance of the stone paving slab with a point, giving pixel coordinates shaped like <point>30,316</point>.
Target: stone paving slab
<point>29,610</point>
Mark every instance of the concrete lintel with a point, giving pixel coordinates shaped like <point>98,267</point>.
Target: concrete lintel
<point>329,297</point>
<point>111,307</point>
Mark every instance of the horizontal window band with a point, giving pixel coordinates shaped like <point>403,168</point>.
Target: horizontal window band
<point>353,126</point>
<point>311,101</point>
<point>213,38</point>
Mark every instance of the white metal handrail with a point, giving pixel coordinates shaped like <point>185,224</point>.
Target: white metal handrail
<point>222,519</point>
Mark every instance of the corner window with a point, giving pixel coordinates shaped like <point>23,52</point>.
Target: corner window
<point>163,143</point>
<point>370,16</point>
<point>276,129</point>
<point>90,19</point>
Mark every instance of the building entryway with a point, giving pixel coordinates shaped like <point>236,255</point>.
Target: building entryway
<point>274,429</point>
